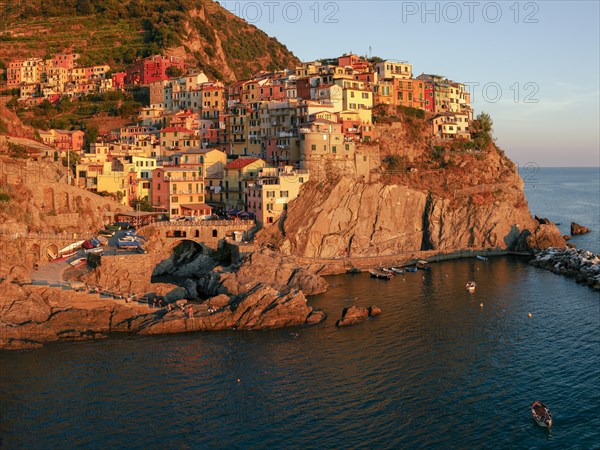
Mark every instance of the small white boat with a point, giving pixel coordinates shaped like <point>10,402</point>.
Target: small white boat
<point>387,270</point>
<point>98,250</point>
<point>481,258</point>
<point>78,262</point>
<point>541,414</point>
<point>69,249</point>
<point>397,270</point>
<point>471,286</point>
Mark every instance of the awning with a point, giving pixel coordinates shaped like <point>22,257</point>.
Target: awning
<point>196,207</point>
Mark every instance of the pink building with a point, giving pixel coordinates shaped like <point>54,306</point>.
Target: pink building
<point>153,68</point>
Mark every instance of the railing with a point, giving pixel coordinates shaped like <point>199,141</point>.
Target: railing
<point>202,223</point>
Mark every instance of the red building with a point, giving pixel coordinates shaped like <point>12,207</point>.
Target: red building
<point>153,68</point>
<point>118,80</point>
<point>429,103</point>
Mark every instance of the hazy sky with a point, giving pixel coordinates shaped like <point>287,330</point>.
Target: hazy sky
<point>536,63</point>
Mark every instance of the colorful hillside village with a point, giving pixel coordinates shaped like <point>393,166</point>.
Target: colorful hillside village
<point>201,147</point>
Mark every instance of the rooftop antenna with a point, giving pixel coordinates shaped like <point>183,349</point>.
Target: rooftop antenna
<point>370,52</point>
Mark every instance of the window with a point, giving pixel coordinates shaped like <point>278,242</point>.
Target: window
<point>158,187</point>
<point>347,147</point>
<point>333,149</point>
<point>284,194</point>
<point>175,199</point>
<point>313,147</point>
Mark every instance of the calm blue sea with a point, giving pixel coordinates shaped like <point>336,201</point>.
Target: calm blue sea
<point>436,369</point>
<point>566,195</point>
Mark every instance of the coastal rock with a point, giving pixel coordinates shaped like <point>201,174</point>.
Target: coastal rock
<point>263,307</point>
<point>543,236</point>
<point>176,294</point>
<point>577,229</point>
<point>17,307</point>
<point>374,311</point>
<point>356,314</point>
<point>583,265</point>
<point>267,267</point>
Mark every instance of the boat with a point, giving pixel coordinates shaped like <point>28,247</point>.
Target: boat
<point>397,270</point>
<point>423,265</point>
<point>78,262</point>
<point>387,270</point>
<point>541,414</point>
<point>481,258</point>
<point>471,286</point>
<point>97,250</point>
<point>70,249</point>
<point>128,244</point>
<point>353,270</point>
<point>380,274</point>
<point>410,268</point>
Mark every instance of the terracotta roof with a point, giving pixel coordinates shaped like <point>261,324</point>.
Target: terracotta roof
<point>240,163</point>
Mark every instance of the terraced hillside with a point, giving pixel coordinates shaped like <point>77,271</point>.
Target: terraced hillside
<point>119,32</point>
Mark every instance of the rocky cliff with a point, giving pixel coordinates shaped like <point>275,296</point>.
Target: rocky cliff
<point>424,198</point>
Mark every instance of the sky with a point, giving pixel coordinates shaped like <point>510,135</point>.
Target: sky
<point>532,65</point>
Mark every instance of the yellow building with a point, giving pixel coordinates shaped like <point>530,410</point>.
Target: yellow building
<point>451,126</point>
<point>118,179</point>
<point>355,97</point>
<point>238,175</point>
<point>389,69</point>
<point>275,188</point>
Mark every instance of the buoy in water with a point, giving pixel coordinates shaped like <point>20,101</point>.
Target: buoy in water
<point>238,380</point>
<point>481,305</point>
<point>530,315</point>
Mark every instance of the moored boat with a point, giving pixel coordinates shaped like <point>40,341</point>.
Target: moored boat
<point>71,249</point>
<point>397,270</point>
<point>78,262</point>
<point>481,258</point>
<point>380,274</point>
<point>471,286</point>
<point>410,268</point>
<point>423,265</point>
<point>541,414</point>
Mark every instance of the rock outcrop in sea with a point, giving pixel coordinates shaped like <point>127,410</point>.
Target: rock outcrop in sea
<point>577,229</point>
<point>356,314</point>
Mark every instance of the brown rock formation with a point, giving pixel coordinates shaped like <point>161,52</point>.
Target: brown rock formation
<point>34,315</point>
<point>356,314</point>
<point>577,229</point>
<point>477,202</point>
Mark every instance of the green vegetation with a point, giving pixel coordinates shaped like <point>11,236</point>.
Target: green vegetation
<point>144,205</point>
<point>16,150</point>
<point>119,32</point>
<point>72,115</point>
<point>73,159</point>
<point>407,111</point>
<point>395,163</point>
<point>482,128</point>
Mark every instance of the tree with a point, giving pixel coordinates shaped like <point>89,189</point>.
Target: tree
<point>482,130</point>
<point>73,159</point>
<point>91,134</point>
<point>173,71</point>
